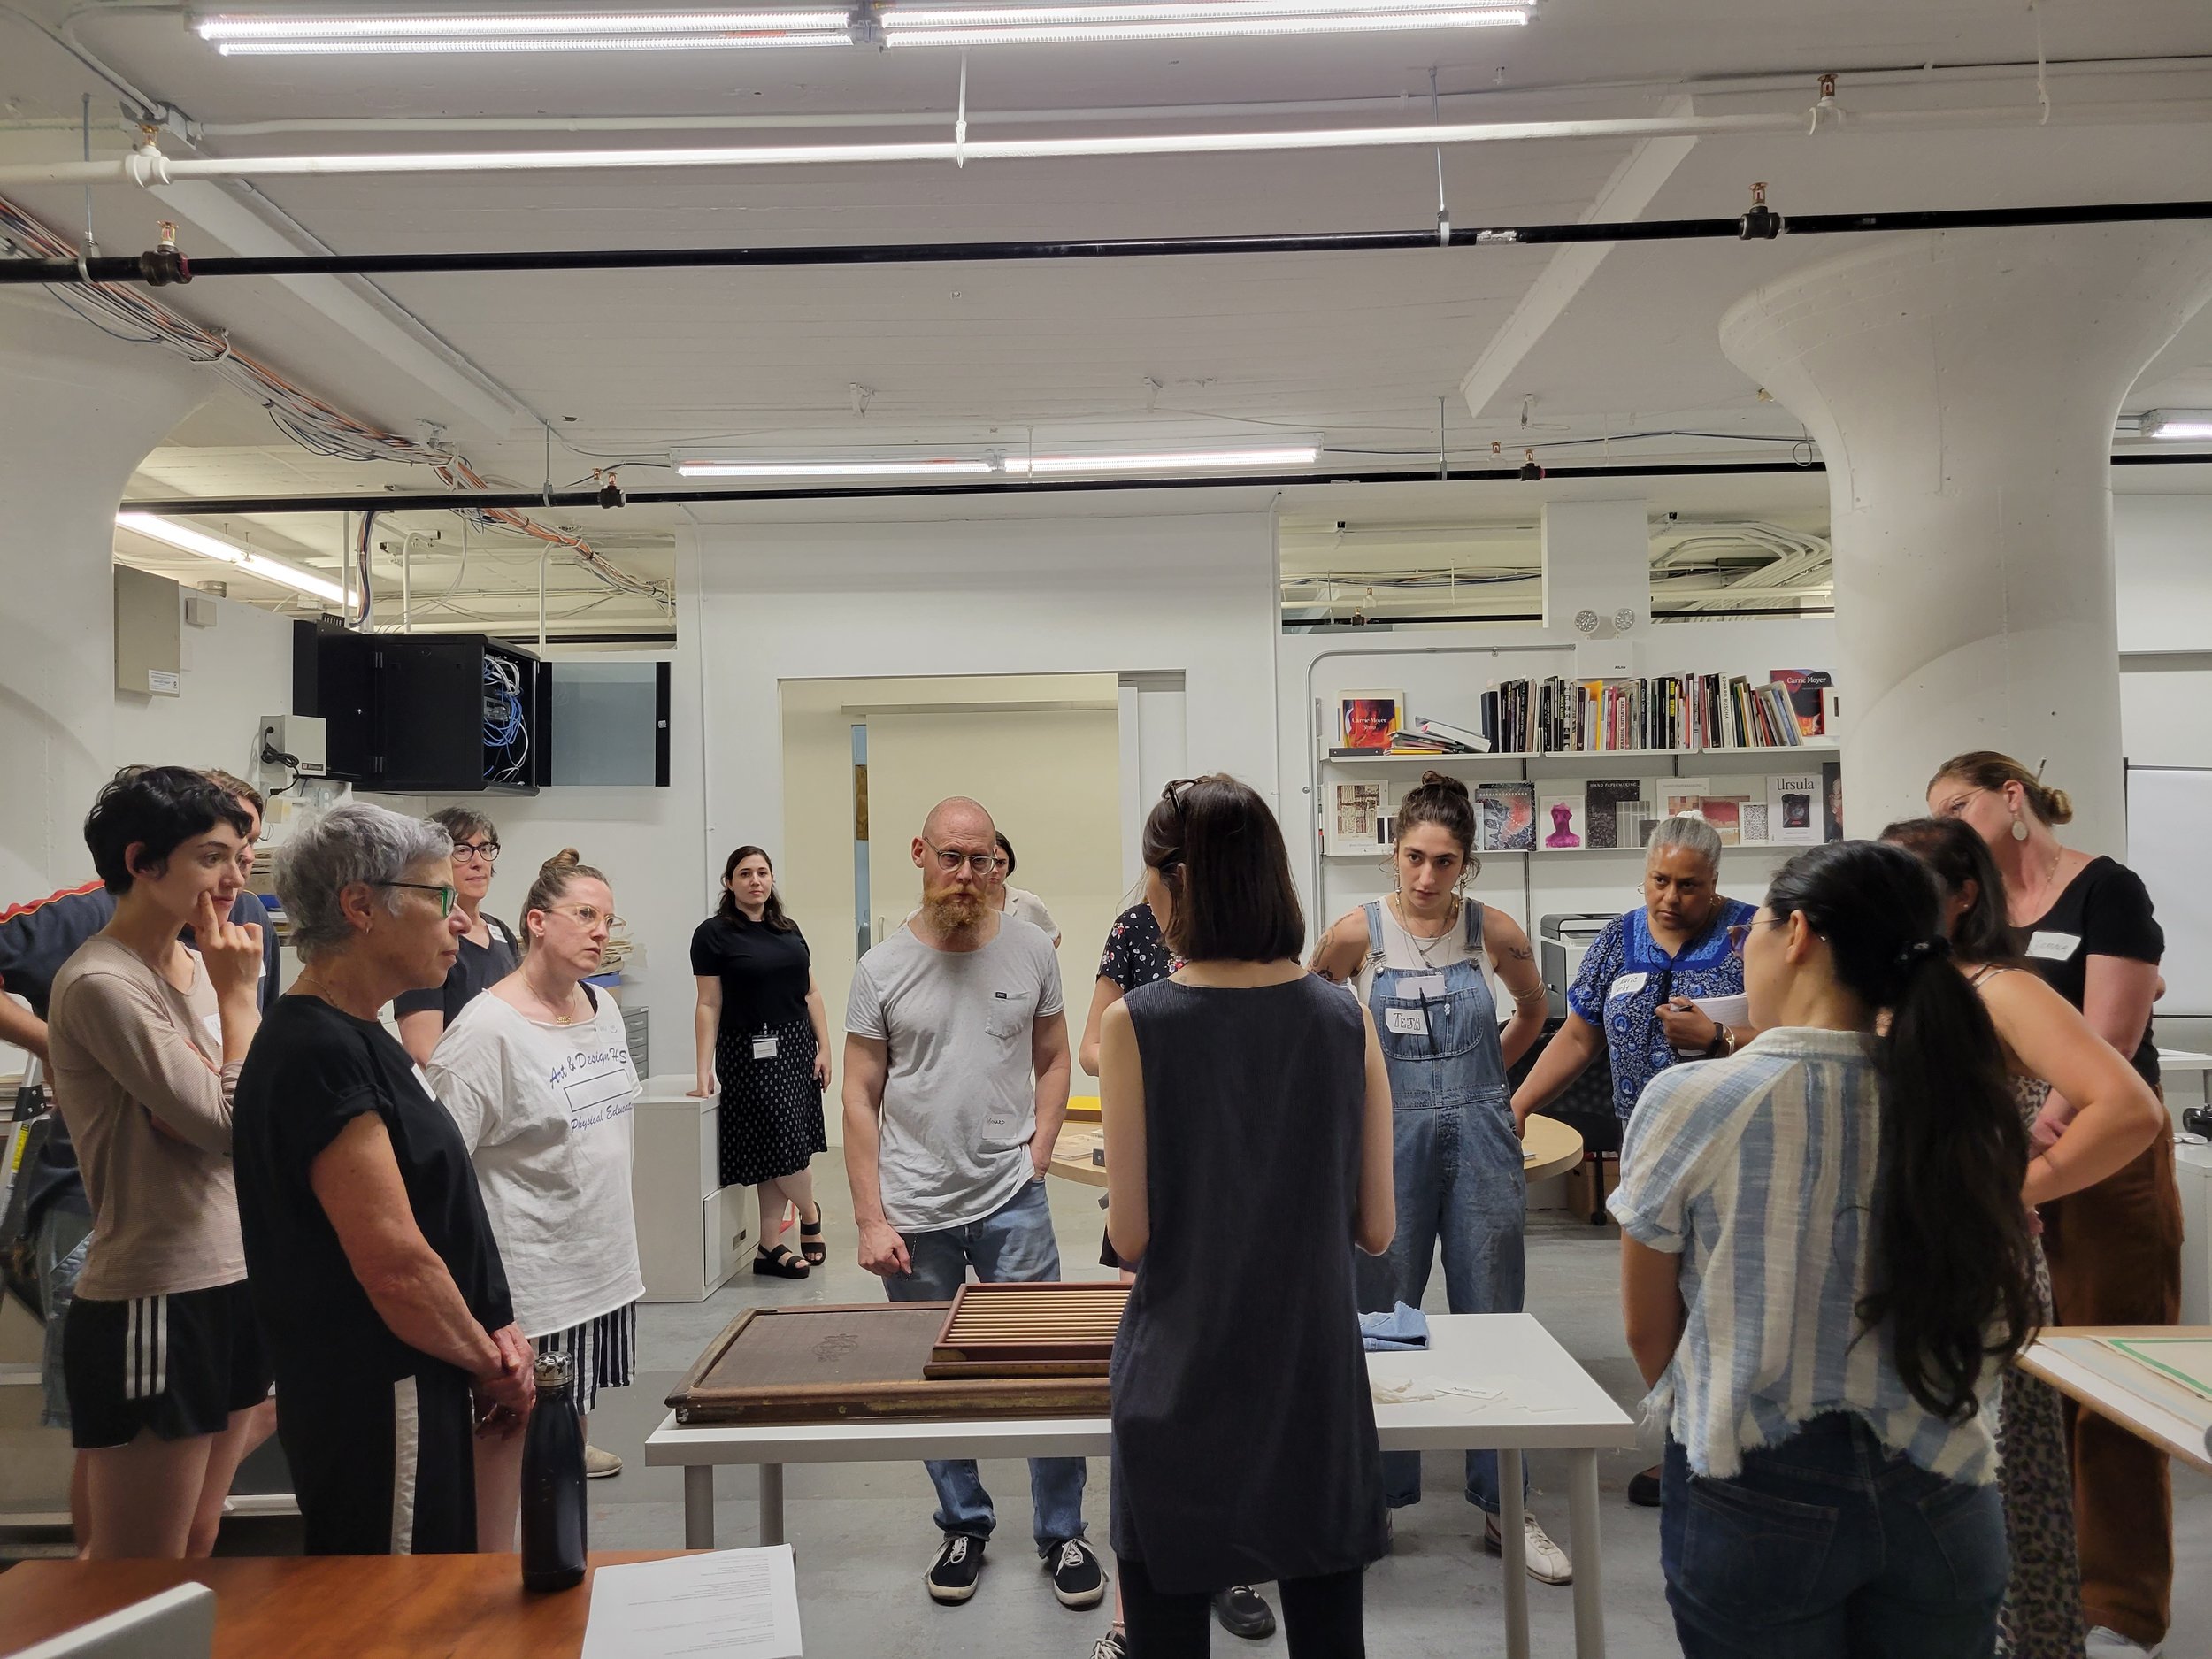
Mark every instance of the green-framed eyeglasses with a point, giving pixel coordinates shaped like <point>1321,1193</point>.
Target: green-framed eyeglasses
<point>446,895</point>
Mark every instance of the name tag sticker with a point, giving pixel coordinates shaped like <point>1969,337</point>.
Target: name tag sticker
<point>214,1024</point>
<point>765,1048</point>
<point>2054,947</point>
<point>1407,1022</point>
<point>1627,985</point>
<point>1429,985</point>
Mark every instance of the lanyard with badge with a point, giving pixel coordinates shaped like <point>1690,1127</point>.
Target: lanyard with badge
<point>765,1045</point>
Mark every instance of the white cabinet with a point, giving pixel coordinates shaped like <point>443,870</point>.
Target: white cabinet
<point>691,1233</point>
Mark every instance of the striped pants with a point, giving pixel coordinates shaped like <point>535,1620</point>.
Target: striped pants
<point>381,1468</point>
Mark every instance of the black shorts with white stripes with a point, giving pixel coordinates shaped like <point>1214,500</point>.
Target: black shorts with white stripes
<point>177,1364</point>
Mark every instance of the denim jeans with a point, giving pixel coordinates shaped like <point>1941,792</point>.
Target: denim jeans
<point>1458,1175</point>
<point>1012,1245</point>
<point>65,1233</point>
<point>1830,1545</point>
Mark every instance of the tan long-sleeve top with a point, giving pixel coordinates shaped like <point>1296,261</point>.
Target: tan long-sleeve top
<point>131,1052</point>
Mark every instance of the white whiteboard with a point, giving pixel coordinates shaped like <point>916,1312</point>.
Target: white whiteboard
<point>2170,819</point>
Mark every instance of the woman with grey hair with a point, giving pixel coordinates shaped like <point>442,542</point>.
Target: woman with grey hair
<point>1639,992</point>
<point>373,1265</point>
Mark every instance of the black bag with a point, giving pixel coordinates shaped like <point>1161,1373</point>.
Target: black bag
<point>19,1227</point>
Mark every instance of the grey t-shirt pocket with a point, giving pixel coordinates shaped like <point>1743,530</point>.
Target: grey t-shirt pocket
<point>1010,1015</point>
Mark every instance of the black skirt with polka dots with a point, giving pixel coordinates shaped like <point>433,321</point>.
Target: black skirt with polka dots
<point>771,1112</point>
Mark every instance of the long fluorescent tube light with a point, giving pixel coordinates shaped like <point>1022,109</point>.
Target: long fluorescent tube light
<point>230,27</point>
<point>828,469</point>
<point>1176,461</point>
<point>1147,27</point>
<point>188,540</point>
<point>2185,423</point>
<point>557,43</point>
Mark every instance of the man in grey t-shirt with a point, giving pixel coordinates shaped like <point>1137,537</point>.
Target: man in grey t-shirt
<point>956,1084</point>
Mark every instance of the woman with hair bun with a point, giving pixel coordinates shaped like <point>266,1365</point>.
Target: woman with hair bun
<point>537,1074</point>
<point>2085,924</point>
<point>1829,1482</point>
<point>1417,960</point>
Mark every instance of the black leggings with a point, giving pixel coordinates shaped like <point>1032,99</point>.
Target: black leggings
<point>1321,1616</point>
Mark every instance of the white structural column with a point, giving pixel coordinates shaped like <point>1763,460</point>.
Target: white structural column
<point>1962,387</point>
<point>78,412</point>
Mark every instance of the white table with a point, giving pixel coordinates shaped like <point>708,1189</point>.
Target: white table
<point>1550,1404</point>
<point>2064,1357</point>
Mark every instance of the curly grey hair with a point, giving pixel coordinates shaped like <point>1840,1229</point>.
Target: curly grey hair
<point>353,842</point>
<point>1689,830</point>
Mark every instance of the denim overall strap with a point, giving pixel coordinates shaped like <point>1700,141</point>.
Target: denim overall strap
<point>1441,1048</point>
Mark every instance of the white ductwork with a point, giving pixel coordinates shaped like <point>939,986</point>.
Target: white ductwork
<point>146,165</point>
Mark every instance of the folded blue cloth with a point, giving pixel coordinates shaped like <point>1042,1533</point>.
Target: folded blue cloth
<point>1395,1331</point>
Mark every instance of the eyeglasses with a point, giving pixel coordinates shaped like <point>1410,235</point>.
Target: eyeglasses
<point>590,916</point>
<point>475,852</point>
<point>446,895</point>
<point>1737,933</point>
<point>949,860</point>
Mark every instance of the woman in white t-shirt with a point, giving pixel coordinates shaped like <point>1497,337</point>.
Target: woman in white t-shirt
<point>1018,902</point>
<point>537,1073</point>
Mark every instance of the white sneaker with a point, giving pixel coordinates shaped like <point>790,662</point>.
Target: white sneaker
<point>1547,1563</point>
<point>2104,1643</point>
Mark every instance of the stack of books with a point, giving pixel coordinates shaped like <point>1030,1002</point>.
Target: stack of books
<point>1663,711</point>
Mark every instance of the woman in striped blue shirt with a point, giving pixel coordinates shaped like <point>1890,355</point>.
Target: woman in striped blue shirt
<point>1825,1263</point>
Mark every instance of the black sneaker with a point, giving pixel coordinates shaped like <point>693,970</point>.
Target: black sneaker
<point>952,1576</point>
<point>1077,1578</point>
<point>1643,1489</point>
<point>1244,1612</point>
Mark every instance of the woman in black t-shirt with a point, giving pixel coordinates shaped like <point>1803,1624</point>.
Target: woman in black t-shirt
<point>2085,924</point>
<point>371,1264</point>
<point>763,1041</point>
<point>487,949</point>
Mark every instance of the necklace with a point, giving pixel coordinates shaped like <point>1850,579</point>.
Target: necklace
<point>546,1003</point>
<point>2043,887</point>
<point>1425,944</point>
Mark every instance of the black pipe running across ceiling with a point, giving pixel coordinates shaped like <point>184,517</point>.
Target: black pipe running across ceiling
<point>464,501</point>
<point>163,266</point>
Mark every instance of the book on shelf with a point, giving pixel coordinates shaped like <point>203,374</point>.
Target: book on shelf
<point>1725,813</point>
<point>1559,715</point>
<point>1506,812</point>
<point>1680,795</point>
<point>1793,807</point>
<point>1561,824</point>
<point>1359,819</point>
<point>1457,738</point>
<point>1805,688</point>
<point>1604,798</point>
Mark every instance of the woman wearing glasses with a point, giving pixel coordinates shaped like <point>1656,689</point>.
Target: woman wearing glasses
<point>487,947</point>
<point>762,1041</point>
<point>1018,902</point>
<point>373,1266</point>
<point>537,1074</point>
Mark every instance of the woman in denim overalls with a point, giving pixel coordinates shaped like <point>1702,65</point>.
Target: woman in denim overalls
<point>1416,958</point>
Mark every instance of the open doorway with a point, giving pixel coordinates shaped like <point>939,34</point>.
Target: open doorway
<point>865,759</point>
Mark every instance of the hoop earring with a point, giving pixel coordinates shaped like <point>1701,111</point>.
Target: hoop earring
<point>2019,829</point>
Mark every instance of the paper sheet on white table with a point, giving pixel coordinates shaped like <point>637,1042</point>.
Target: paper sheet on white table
<point>732,1604</point>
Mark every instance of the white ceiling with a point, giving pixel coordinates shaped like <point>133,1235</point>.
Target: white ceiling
<point>1355,348</point>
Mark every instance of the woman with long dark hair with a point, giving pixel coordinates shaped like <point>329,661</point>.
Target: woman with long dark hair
<point>1825,1265</point>
<point>1239,1091</point>
<point>2047,1045</point>
<point>762,1043</point>
<point>2085,925</point>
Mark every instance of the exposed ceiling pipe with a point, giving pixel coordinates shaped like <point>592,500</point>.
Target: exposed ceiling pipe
<point>397,501</point>
<point>167,265</point>
<point>146,165</point>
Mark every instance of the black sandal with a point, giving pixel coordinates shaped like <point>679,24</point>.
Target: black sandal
<point>779,1263</point>
<point>811,1242</point>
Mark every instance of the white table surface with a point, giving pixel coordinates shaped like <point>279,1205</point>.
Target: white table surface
<point>1545,1401</point>
<point>2057,1357</point>
<point>1550,1403</point>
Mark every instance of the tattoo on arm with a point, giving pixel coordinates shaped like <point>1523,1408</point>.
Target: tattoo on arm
<point>1518,953</point>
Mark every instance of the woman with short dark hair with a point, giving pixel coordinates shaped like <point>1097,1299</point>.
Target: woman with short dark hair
<point>1018,902</point>
<point>1239,1091</point>
<point>489,950</point>
<point>160,1353</point>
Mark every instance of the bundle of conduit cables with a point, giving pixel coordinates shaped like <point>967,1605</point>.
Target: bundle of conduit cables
<point>303,418</point>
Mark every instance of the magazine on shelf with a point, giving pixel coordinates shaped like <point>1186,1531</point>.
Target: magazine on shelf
<point>1508,814</point>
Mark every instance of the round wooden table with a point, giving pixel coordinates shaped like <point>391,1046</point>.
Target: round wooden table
<point>1549,1148</point>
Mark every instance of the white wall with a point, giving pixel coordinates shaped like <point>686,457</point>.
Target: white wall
<point>231,675</point>
<point>2162,549</point>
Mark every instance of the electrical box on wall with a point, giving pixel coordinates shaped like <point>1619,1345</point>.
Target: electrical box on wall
<point>149,639</point>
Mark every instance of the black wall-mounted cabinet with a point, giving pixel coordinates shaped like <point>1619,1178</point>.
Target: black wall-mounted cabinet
<point>463,714</point>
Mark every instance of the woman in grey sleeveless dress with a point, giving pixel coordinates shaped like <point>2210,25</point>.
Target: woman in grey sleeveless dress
<point>1248,1125</point>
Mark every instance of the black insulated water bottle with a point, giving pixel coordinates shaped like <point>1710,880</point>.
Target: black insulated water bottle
<point>553,1542</point>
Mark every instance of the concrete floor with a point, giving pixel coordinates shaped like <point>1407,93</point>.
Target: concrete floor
<point>864,1536</point>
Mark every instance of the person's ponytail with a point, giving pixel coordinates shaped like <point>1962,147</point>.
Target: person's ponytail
<point>1950,1272</point>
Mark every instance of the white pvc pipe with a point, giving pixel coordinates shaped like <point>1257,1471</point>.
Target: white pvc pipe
<point>146,166</point>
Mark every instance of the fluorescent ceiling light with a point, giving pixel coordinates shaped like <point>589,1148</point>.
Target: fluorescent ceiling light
<point>1146,26</point>
<point>228,28</point>
<point>2183,423</point>
<point>185,539</point>
<point>916,468</point>
<point>564,43</point>
<point>1176,461</point>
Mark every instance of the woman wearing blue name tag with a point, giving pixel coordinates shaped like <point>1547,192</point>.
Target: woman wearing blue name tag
<point>2085,924</point>
<point>1417,960</point>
